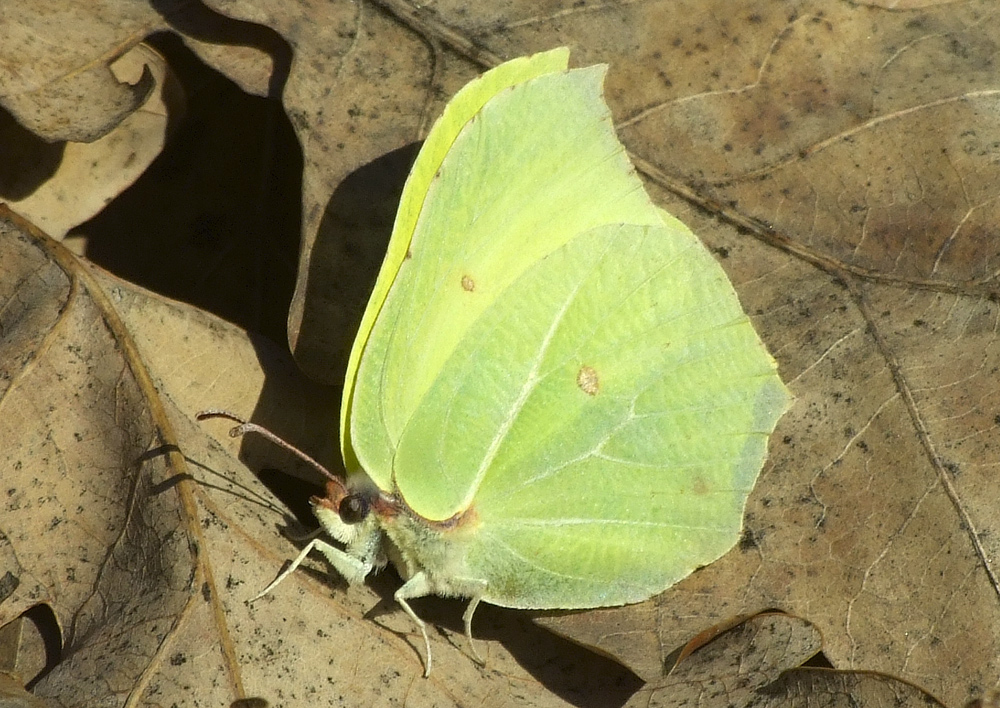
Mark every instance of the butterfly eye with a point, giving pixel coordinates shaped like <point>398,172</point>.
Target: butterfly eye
<point>354,509</point>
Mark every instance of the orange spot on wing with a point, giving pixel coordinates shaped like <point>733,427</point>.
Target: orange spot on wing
<point>700,486</point>
<point>588,381</point>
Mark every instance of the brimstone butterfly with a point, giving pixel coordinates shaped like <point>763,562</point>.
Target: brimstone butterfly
<point>554,399</point>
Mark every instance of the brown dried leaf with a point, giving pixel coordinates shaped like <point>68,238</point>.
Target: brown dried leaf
<point>842,161</point>
<point>93,526</point>
<point>824,688</point>
<point>57,187</point>
<point>756,663</point>
<point>56,56</point>
<point>13,695</point>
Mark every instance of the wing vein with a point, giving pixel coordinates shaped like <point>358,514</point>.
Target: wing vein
<point>533,564</point>
<point>529,385</point>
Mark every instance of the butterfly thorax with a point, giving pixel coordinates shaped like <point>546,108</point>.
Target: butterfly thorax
<point>376,526</point>
<point>438,549</point>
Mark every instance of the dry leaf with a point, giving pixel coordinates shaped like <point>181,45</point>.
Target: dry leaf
<point>841,161</point>
<point>756,663</point>
<point>56,58</point>
<point>57,54</point>
<point>42,182</point>
<point>85,529</point>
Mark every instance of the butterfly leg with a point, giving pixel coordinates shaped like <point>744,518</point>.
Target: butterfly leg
<point>416,586</point>
<point>351,568</point>
<point>420,586</point>
<point>467,618</point>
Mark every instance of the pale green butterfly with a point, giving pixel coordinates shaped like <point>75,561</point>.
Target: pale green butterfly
<point>554,399</point>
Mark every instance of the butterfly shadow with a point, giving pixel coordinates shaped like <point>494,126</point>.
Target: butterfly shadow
<point>579,676</point>
<point>350,245</point>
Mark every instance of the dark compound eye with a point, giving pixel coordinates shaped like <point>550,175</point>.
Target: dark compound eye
<point>354,509</point>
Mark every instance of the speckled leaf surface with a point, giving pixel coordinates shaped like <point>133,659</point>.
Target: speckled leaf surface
<point>841,162</point>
